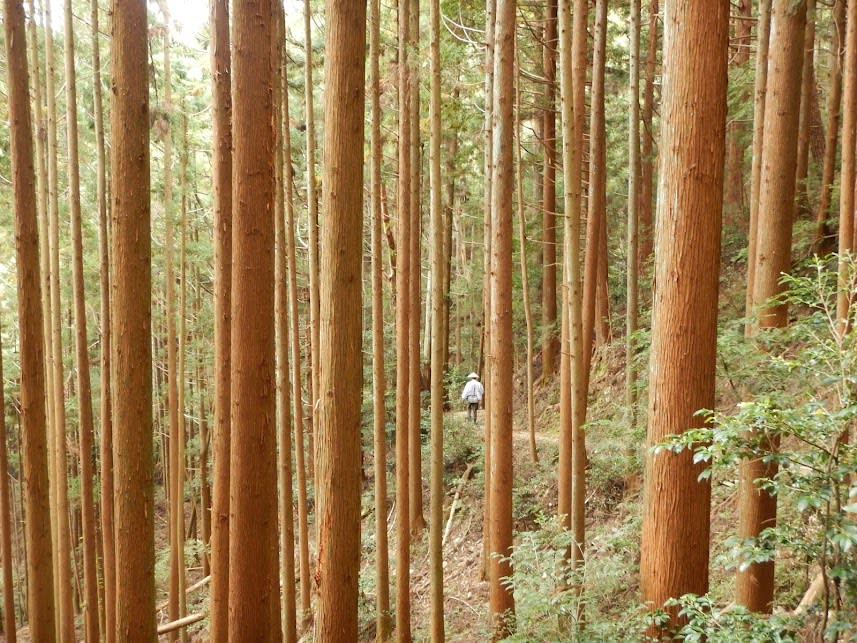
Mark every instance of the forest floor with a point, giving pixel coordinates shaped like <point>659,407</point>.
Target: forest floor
<point>613,505</point>
<point>612,498</point>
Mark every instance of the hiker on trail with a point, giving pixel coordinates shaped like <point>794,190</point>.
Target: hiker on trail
<point>472,394</point>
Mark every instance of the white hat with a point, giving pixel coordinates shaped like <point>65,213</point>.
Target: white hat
<point>473,376</point>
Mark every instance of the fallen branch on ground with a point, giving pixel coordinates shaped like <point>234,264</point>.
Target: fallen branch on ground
<point>172,626</point>
<point>464,478</point>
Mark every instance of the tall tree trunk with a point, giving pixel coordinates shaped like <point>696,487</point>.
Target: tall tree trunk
<point>84,388</point>
<point>176,486</point>
<point>415,474</point>
<point>181,372</point>
<point>808,100</point>
<point>758,509</point>
<point>403,296</point>
<point>41,137</point>
<point>632,276</point>
<point>338,436</point>
<point>297,401</point>
<point>602,295</point>
<point>490,14</point>
<point>597,204</point>
<point>741,42</point>
<point>847,173</point>
<point>834,102</point>
<point>383,621</point>
<point>573,208</point>
<point>438,298</point>
<point>132,325</point>
<point>221,71</point>
<point>572,61</point>
<point>449,211</point>
<point>684,324</point>
<point>500,353</point>
<point>759,99</point>
<point>6,557</point>
<point>63,579</point>
<point>106,410</point>
<point>522,240</point>
<point>254,593</point>
<point>204,451</point>
<point>647,152</point>
<point>550,341</point>
<point>283,210</point>
<point>312,211</point>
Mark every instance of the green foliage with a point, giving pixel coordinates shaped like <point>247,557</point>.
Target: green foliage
<point>540,570</point>
<point>797,418</point>
<point>461,442</point>
<point>707,622</point>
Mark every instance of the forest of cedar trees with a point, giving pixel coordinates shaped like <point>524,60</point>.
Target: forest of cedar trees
<point>252,252</point>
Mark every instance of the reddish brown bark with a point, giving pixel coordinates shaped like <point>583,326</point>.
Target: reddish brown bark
<point>41,608</point>
<point>131,325</point>
<point>834,102</point>
<point>684,326</point>
<point>550,338</point>
<point>222,189</point>
<point>254,592</point>
<point>755,586</point>
<point>647,152</point>
<point>500,354</point>
<point>341,377</point>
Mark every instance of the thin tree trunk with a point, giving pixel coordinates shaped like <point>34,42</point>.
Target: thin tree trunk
<point>176,486</point>
<point>525,282</point>
<point>490,13</point>
<point>181,468</point>
<point>573,221</point>
<point>338,436</point>
<point>297,401</point>
<point>808,98</point>
<point>415,469</point>
<point>759,98</point>
<point>572,449</point>
<point>847,173</point>
<point>383,621</point>
<point>550,341</point>
<point>6,559</point>
<point>684,329</point>
<point>283,210</point>
<point>254,593</point>
<point>403,295</point>
<point>735,144</point>
<point>449,218</point>
<point>602,295</point>
<point>438,298</point>
<point>84,389</point>
<point>106,447</point>
<point>502,603</point>
<point>647,153</point>
<point>312,211</point>
<point>41,136</point>
<point>834,103</point>
<point>632,244</point>
<point>132,325</point>
<point>222,202</point>
<point>204,452</point>
<point>45,234</point>
<point>757,508</point>
<point>597,205</point>
<point>63,579</point>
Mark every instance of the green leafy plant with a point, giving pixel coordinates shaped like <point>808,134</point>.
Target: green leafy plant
<point>799,419</point>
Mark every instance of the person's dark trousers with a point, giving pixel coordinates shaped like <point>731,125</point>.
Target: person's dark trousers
<point>472,407</point>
